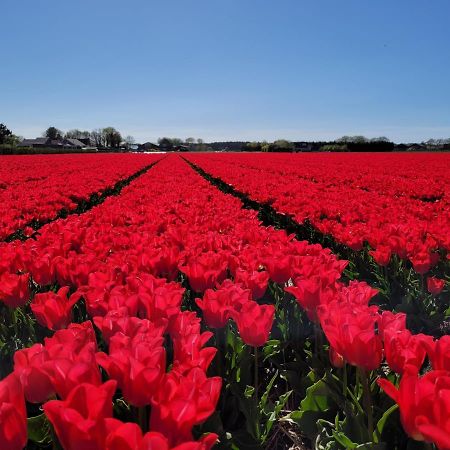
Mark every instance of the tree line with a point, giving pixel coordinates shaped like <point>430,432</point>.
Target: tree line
<point>99,137</point>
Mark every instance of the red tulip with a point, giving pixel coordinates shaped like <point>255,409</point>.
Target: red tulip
<point>14,289</point>
<point>13,418</point>
<point>216,305</point>
<point>182,402</point>
<point>435,285</point>
<point>350,329</point>
<point>53,311</point>
<point>439,353</point>
<point>424,405</point>
<point>254,322</point>
<point>137,364</point>
<point>33,369</point>
<point>79,421</point>
<point>402,349</point>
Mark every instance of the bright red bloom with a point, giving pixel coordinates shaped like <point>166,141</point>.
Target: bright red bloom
<point>439,353</point>
<point>53,311</point>
<point>350,329</point>
<point>392,322</point>
<point>435,285</point>
<point>32,367</point>
<point>79,421</point>
<point>256,281</point>
<point>13,417</point>
<point>216,305</point>
<point>14,289</point>
<point>424,404</point>
<point>205,271</point>
<point>382,255</point>
<point>182,402</point>
<point>137,364</point>
<point>403,348</point>
<point>128,436</point>
<point>254,322</point>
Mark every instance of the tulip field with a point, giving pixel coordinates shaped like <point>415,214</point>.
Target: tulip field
<point>233,301</point>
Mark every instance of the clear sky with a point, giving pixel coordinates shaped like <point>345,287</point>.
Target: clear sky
<point>227,69</point>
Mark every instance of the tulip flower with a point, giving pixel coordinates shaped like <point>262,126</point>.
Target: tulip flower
<point>439,353</point>
<point>13,417</point>
<point>350,329</point>
<point>403,348</point>
<point>79,421</point>
<point>254,322</point>
<point>14,289</point>
<point>424,404</point>
<point>183,401</point>
<point>53,311</point>
<point>33,367</point>
<point>435,285</point>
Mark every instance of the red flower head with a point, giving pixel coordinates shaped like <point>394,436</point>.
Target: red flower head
<point>392,322</point>
<point>79,421</point>
<point>402,349</point>
<point>14,289</point>
<point>182,402</point>
<point>424,405</point>
<point>255,281</point>
<point>32,367</point>
<point>254,322</point>
<point>137,364</point>
<point>53,311</point>
<point>435,285</point>
<point>382,255</point>
<point>205,271</point>
<point>13,417</point>
<point>216,305</point>
<point>439,353</point>
<point>350,329</point>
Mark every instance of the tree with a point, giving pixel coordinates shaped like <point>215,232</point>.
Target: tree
<point>129,141</point>
<point>112,138</point>
<point>97,137</point>
<point>282,145</point>
<point>5,133</point>
<point>380,139</point>
<point>165,143</point>
<point>53,133</point>
<point>77,134</point>
<point>189,141</point>
<point>200,141</point>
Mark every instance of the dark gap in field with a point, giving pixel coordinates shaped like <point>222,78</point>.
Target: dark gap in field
<point>400,289</point>
<point>82,205</point>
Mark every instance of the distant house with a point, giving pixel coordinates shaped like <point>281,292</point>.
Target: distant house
<point>148,147</point>
<point>36,143</point>
<point>73,143</point>
<point>44,142</point>
<point>303,146</point>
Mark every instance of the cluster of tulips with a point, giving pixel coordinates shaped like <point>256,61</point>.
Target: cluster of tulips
<point>139,315</point>
<point>37,188</point>
<point>382,200</point>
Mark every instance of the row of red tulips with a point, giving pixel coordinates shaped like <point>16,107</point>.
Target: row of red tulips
<point>399,204</point>
<point>37,188</point>
<point>118,265</point>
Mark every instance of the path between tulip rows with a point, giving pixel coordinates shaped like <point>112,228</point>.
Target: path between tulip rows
<point>83,205</point>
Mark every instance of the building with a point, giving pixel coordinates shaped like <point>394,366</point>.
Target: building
<point>44,142</point>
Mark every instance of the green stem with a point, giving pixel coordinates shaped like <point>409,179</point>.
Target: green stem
<point>344,389</point>
<point>367,400</point>
<point>142,418</point>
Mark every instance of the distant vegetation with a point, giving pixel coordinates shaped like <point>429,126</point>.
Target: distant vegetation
<point>110,139</point>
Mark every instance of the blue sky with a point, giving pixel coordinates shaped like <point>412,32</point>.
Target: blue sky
<point>228,69</point>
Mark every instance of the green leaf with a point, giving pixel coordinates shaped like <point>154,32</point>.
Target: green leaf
<point>38,428</point>
<point>381,423</point>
